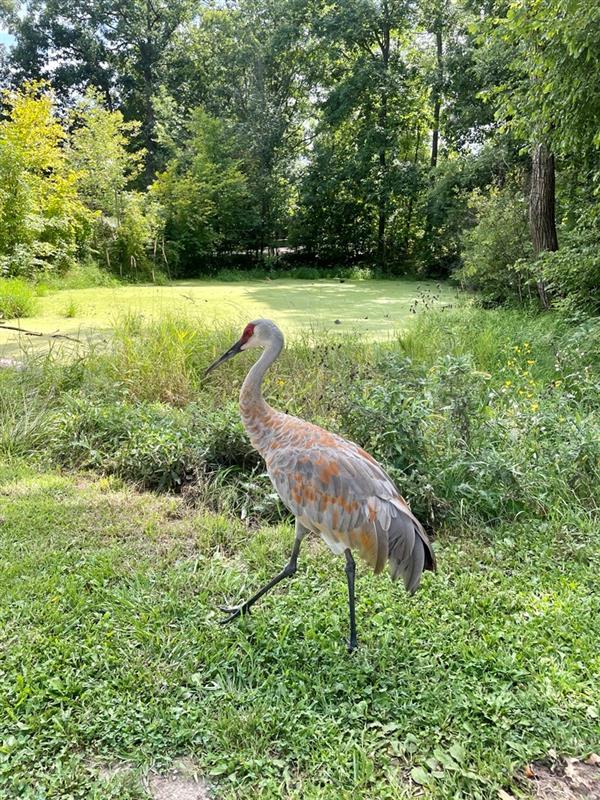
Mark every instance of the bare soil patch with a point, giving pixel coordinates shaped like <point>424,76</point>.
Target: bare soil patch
<point>180,783</point>
<point>566,779</point>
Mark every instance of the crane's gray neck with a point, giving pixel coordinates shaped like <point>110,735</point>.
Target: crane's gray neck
<point>255,411</point>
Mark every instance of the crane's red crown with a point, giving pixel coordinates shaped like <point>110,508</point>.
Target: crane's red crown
<point>248,331</point>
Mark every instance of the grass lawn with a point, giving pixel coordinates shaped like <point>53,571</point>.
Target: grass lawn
<point>111,654</point>
<point>373,307</point>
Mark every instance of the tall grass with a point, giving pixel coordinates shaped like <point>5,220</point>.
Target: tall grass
<point>17,299</point>
<point>480,416</point>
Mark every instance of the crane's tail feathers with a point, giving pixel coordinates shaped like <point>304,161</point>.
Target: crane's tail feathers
<point>409,551</point>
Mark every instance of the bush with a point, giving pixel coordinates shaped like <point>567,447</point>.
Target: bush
<point>472,447</point>
<point>84,275</point>
<point>150,444</point>
<point>17,299</point>
<point>239,276</point>
<point>306,273</point>
<point>224,441</point>
<point>499,241</point>
<point>572,274</point>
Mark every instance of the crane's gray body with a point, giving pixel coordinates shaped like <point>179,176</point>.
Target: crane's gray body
<point>331,485</point>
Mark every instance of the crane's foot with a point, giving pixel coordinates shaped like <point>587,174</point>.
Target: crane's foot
<point>233,612</point>
<point>352,645</point>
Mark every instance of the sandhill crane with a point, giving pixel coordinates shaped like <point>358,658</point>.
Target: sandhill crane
<point>330,485</point>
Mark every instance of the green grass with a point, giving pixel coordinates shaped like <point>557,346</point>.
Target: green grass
<point>17,299</point>
<point>112,651</point>
<point>110,647</point>
<point>374,308</point>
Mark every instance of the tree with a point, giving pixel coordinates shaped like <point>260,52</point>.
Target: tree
<point>203,195</point>
<point>118,46</point>
<point>43,223</point>
<point>436,23</point>
<point>544,101</point>
<point>100,155</point>
<point>252,63</point>
<point>368,90</point>
<point>125,223</point>
<point>542,221</point>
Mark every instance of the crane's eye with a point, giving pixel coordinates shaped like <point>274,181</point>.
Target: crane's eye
<point>248,331</point>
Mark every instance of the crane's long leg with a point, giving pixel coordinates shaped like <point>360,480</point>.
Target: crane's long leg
<point>350,572</point>
<point>289,569</point>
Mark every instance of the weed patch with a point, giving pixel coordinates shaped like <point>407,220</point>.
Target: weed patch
<point>17,299</point>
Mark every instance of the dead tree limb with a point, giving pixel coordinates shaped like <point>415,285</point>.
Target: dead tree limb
<point>24,331</point>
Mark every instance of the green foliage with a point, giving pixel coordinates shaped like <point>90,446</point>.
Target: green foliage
<point>309,125</point>
<point>116,592</point>
<point>495,248</point>
<point>203,195</point>
<point>126,227</point>
<point>70,309</point>
<point>359,191</point>
<point>481,417</point>
<point>306,273</point>
<point>42,220</point>
<point>572,274</point>
<point>147,444</point>
<point>17,298</point>
<point>99,154</point>
<point>242,276</point>
<point>547,94</point>
<point>84,275</point>
<point>132,244</point>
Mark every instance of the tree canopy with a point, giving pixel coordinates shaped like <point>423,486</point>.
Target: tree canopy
<point>416,136</point>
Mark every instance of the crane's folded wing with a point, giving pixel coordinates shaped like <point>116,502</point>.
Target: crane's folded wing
<point>340,491</point>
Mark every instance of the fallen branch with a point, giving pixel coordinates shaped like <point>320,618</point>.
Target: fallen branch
<point>5,327</point>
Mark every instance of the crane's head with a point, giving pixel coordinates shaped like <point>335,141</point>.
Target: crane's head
<point>259,333</point>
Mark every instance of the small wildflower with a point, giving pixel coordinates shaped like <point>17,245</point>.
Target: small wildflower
<point>508,383</point>
<point>530,361</point>
<point>535,406</point>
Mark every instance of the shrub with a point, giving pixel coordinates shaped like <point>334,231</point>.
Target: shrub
<point>70,309</point>
<point>150,444</point>
<point>17,298</point>
<point>83,275</point>
<point>306,273</point>
<point>498,242</point>
<point>224,441</point>
<point>239,276</point>
<point>572,274</point>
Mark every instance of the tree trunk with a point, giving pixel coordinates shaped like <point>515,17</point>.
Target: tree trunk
<point>149,121</point>
<point>382,200</point>
<point>409,212</point>
<point>542,223</point>
<point>382,216</point>
<point>437,96</point>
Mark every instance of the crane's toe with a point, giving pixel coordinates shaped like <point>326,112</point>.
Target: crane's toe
<point>234,612</point>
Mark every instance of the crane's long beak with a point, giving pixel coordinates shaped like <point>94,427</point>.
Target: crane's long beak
<point>233,351</point>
